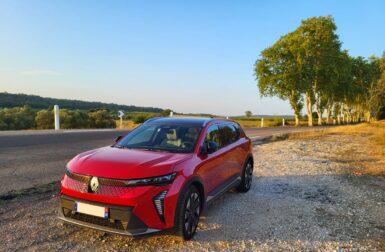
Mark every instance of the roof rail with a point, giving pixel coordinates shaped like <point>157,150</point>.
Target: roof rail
<point>152,119</point>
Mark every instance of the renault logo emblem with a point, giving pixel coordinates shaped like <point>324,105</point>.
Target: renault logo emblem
<point>94,184</point>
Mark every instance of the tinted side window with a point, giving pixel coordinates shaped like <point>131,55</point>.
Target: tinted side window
<point>212,134</point>
<point>228,134</point>
<point>237,131</point>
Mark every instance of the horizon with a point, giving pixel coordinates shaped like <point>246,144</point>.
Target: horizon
<point>140,53</point>
<point>176,112</point>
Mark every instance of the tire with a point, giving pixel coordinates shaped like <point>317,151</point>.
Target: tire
<point>247,177</point>
<point>188,214</point>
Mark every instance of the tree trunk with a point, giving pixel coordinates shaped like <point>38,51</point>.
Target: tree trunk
<point>309,109</point>
<point>328,111</point>
<point>319,108</point>
<point>319,113</point>
<point>296,120</point>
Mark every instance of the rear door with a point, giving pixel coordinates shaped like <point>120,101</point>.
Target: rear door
<point>232,149</point>
<point>213,165</point>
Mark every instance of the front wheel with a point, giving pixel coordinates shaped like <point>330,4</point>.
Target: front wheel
<point>247,177</point>
<point>188,216</point>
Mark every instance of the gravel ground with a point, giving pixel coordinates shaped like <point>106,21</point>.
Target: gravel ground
<point>304,196</point>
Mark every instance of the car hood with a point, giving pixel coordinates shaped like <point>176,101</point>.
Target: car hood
<point>109,162</point>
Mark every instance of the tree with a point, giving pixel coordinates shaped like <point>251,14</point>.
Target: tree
<point>302,62</point>
<point>278,73</point>
<point>248,113</point>
<point>8,100</point>
<point>308,63</point>
<point>377,92</point>
<point>318,52</point>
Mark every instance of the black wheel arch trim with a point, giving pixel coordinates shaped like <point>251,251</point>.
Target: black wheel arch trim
<point>248,157</point>
<point>194,180</point>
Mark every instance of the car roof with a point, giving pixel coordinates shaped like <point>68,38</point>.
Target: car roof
<point>184,120</point>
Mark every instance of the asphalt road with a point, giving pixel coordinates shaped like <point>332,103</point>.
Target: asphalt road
<point>33,158</point>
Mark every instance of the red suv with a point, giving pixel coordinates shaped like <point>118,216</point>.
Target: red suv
<point>159,176</point>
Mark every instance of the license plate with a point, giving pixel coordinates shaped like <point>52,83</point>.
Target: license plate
<point>80,207</point>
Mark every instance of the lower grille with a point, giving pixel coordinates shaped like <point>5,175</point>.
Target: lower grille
<point>115,224</point>
<point>120,217</point>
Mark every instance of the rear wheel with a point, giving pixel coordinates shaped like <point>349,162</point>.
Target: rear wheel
<point>247,177</point>
<point>189,213</point>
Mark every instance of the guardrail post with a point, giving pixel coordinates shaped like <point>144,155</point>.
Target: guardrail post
<point>283,121</point>
<point>57,117</point>
<point>262,122</point>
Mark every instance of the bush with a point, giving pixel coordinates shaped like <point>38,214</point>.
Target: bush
<point>101,119</point>
<point>139,118</point>
<point>166,112</point>
<point>45,119</point>
<point>73,119</point>
<point>142,117</point>
<point>17,118</point>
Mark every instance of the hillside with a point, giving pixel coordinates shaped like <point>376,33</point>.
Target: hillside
<point>8,100</point>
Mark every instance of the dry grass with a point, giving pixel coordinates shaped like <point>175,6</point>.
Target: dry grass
<point>371,136</point>
<point>127,124</point>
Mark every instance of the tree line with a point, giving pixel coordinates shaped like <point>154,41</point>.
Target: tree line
<point>8,100</point>
<point>20,118</point>
<point>308,68</point>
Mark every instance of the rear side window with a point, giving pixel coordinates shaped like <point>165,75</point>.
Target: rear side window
<point>237,130</point>
<point>213,135</point>
<point>228,134</point>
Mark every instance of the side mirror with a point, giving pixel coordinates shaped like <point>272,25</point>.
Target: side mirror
<point>209,147</point>
<point>118,139</point>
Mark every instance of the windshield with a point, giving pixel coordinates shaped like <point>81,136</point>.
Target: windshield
<point>156,137</point>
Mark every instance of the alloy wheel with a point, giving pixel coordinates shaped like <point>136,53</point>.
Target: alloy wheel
<point>248,175</point>
<point>192,213</point>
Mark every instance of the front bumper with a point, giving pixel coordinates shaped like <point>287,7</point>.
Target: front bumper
<point>121,218</point>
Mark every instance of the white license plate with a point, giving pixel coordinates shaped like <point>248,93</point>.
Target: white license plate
<point>84,208</point>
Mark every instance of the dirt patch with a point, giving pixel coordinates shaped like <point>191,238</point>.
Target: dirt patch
<point>306,195</point>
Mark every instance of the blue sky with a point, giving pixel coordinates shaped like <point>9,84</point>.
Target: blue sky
<point>190,56</point>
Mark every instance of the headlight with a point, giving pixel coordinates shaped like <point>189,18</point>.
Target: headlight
<point>162,180</point>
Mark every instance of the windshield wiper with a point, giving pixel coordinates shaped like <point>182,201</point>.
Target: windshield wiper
<point>118,146</point>
<point>152,149</point>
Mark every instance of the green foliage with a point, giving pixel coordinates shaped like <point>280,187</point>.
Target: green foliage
<point>45,119</point>
<point>17,118</point>
<point>101,119</point>
<point>166,112</point>
<point>377,93</point>
<point>74,119</point>
<point>139,118</point>
<point>308,64</point>
<point>36,102</point>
